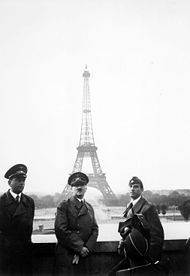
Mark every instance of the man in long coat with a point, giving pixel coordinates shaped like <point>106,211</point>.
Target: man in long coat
<point>76,229</point>
<point>16,224</point>
<point>153,230</point>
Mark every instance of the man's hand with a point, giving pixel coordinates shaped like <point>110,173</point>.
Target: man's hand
<point>125,231</point>
<point>84,252</point>
<point>75,259</point>
<point>120,247</point>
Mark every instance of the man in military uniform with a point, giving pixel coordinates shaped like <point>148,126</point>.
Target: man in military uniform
<point>141,215</point>
<point>76,229</point>
<point>16,224</point>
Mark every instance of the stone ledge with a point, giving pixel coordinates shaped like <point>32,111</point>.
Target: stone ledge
<point>111,246</point>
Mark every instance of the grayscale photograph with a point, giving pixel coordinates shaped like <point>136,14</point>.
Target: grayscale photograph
<point>95,133</point>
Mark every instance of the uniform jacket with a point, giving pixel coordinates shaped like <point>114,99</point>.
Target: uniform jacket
<point>156,230</point>
<point>16,223</point>
<point>16,220</point>
<point>75,226</point>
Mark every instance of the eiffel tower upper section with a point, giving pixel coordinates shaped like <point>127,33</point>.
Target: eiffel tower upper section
<point>86,135</point>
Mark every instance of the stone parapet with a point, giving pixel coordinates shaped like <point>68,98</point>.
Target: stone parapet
<point>176,253</point>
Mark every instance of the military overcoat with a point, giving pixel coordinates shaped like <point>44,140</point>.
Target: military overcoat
<point>16,224</point>
<point>75,227</point>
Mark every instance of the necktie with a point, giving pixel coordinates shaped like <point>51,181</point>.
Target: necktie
<point>130,206</point>
<point>81,204</point>
<point>127,209</point>
<point>17,199</point>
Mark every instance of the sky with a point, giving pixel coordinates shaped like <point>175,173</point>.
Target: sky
<point>137,53</point>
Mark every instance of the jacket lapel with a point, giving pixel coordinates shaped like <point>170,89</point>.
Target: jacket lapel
<point>130,213</point>
<point>9,199</point>
<point>10,203</point>
<point>72,207</point>
<point>135,209</point>
<point>83,210</point>
<point>138,206</point>
<point>78,208</point>
<point>15,209</point>
<point>22,206</point>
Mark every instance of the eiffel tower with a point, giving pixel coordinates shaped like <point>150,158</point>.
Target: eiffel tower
<point>87,149</point>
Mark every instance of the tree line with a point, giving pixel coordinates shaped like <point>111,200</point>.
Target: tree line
<point>162,202</point>
<point>175,201</point>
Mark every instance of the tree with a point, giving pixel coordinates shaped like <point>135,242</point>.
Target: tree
<point>147,194</point>
<point>174,198</point>
<point>37,201</point>
<point>185,209</point>
<point>48,201</point>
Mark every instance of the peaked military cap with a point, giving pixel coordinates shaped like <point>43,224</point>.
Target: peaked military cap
<point>135,180</point>
<point>78,178</point>
<point>19,169</point>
